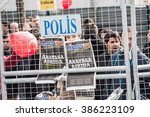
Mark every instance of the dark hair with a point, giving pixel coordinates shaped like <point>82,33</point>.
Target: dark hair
<point>5,23</point>
<point>5,36</point>
<point>88,20</point>
<point>105,30</point>
<point>111,34</point>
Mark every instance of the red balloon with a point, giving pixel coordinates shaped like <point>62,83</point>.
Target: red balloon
<point>24,44</point>
<point>66,4</point>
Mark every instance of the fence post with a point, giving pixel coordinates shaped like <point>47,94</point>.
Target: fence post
<point>126,48</point>
<point>134,50</point>
<point>4,94</point>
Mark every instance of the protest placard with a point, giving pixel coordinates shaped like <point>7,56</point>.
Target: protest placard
<point>52,56</point>
<point>80,55</point>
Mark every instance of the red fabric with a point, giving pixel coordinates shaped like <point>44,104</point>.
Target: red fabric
<point>11,61</point>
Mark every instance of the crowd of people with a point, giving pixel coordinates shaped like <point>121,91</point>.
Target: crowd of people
<point>108,48</point>
<point>14,62</point>
<point>114,56</point>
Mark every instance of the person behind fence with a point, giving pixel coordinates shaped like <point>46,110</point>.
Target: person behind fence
<point>60,90</point>
<point>10,64</point>
<point>35,21</point>
<point>119,60</point>
<point>28,63</point>
<point>5,28</point>
<point>26,27</point>
<point>146,49</point>
<point>103,32</point>
<point>14,62</point>
<point>90,31</point>
<point>112,42</point>
<point>14,27</point>
<point>6,45</point>
<point>69,95</point>
<point>35,27</point>
<point>70,38</point>
<point>28,20</point>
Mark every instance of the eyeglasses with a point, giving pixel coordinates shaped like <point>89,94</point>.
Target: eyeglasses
<point>5,41</point>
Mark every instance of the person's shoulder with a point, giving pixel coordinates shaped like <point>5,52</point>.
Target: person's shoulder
<point>146,49</point>
<point>142,58</point>
<point>147,45</point>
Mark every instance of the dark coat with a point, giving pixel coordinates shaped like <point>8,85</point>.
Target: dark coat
<point>11,61</point>
<point>91,32</point>
<point>146,50</point>
<point>7,52</point>
<point>118,60</point>
<point>102,60</point>
<point>26,91</point>
<point>15,63</point>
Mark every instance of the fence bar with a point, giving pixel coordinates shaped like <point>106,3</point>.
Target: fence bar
<point>33,79</point>
<point>144,74</point>
<point>144,67</point>
<point>65,70</point>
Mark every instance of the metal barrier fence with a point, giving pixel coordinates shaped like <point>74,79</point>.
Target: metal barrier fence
<point>19,81</point>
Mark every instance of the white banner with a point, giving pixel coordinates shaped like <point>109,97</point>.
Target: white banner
<point>74,108</point>
<point>51,26</point>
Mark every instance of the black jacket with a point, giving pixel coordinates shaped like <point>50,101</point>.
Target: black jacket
<point>90,32</point>
<point>146,50</point>
<point>118,60</point>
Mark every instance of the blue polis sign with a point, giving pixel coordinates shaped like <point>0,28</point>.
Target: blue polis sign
<point>51,26</point>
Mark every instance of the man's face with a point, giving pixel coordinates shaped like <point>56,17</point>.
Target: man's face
<point>6,44</point>
<point>72,37</point>
<point>35,22</point>
<point>5,28</point>
<point>14,28</point>
<point>91,28</point>
<point>113,45</point>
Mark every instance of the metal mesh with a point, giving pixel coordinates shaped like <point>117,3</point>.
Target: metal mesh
<point>26,91</point>
<point>21,83</point>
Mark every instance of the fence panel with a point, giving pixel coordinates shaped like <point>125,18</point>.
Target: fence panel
<point>19,71</point>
